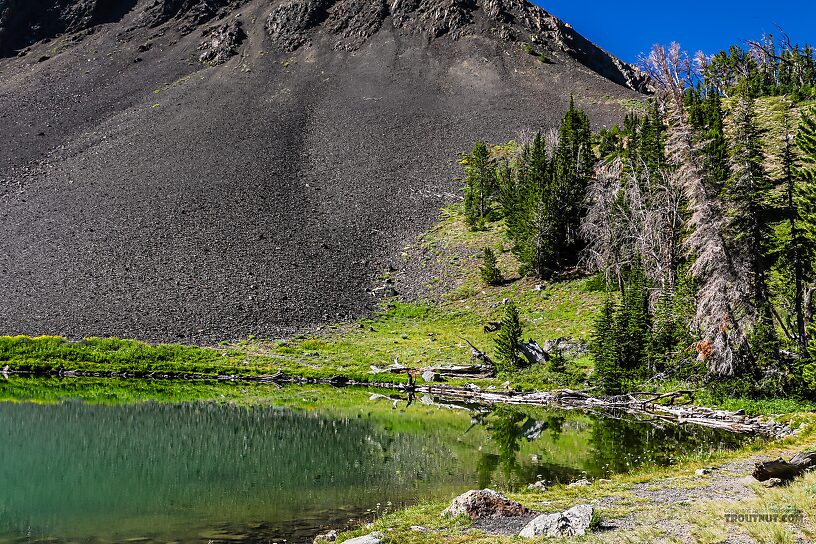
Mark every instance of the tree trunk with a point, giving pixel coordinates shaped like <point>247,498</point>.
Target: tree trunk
<point>785,470</point>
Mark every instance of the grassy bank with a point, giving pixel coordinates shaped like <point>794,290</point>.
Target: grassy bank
<point>666,504</point>
<point>446,303</point>
<point>430,328</point>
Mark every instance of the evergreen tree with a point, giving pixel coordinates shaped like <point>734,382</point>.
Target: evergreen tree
<point>489,270</point>
<point>804,176</point>
<point>544,204</point>
<point>529,211</point>
<point>508,341</point>
<point>605,350</point>
<point>798,251</point>
<point>748,227</point>
<point>573,163</point>
<point>633,323</point>
<point>480,185</point>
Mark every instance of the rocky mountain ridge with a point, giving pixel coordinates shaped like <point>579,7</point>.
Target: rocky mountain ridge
<point>347,24</point>
<point>201,170</point>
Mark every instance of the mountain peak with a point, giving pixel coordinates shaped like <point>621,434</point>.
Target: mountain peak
<point>344,24</point>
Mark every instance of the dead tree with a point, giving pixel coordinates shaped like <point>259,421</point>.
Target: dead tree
<point>785,470</point>
<point>719,303</point>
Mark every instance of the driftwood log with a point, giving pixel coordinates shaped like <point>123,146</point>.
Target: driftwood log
<point>785,470</point>
<point>641,405</point>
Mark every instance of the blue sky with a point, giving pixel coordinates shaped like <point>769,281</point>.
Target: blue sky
<point>627,28</point>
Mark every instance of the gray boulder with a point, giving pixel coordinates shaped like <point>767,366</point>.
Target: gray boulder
<point>573,522</point>
<point>373,538</point>
<point>329,536</point>
<point>484,503</point>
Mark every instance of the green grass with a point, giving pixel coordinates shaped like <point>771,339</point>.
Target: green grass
<point>418,334</point>
<point>649,519</point>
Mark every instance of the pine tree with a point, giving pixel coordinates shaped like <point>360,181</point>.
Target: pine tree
<point>798,246</point>
<point>544,204</point>
<point>489,270</point>
<point>804,175</point>
<point>528,209</point>
<point>633,323</point>
<point>748,227</point>
<point>573,163</point>
<point>605,350</point>
<point>480,185</point>
<point>508,340</point>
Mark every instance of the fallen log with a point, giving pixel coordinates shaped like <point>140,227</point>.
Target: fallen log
<point>785,470</point>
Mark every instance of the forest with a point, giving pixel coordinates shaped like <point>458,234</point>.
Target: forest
<point>698,219</point>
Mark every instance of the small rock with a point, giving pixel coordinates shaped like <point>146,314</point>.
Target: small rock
<point>404,336</point>
<point>43,58</point>
<point>431,376</point>
<point>373,538</point>
<point>484,503</point>
<point>573,522</point>
<point>329,536</point>
<point>772,482</point>
<point>540,485</point>
<point>419,529</point>
<point>702,471</point>
<point>580,483</point>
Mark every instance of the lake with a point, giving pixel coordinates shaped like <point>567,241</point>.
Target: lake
<point>94,462</point>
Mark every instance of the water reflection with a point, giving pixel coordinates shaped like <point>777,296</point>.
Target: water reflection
<point>206,471</point>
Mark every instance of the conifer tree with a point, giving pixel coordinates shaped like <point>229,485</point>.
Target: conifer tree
<point>605,350</point>
<point>508,341</point>
<point>480,185</point>
<point>749,230</point>
<point>489,270</point>
<point>573,162</point>
<point>798,248</point>
<point>804,176</point>
<point>633,323</point>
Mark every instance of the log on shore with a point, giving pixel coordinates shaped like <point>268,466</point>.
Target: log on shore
<point>785,470</point>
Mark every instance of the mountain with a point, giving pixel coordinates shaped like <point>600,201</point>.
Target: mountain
<point>200,170</point>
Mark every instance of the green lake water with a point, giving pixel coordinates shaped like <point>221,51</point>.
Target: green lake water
<point>80,464</point>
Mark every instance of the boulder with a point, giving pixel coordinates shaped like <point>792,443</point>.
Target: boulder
<point>540,485</point>
<point>431,376</point>
<point>329,536</point>
<point>484,503</point>
<point>583,482</point>
<point>373,538</point>
<point>222,42</point>
<point>573,522</point>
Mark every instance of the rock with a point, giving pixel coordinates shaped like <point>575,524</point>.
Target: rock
<point>772,482</point>
<point>431,376</point>
<point>540,485</point>
<point>484,503</point>
<point>419,529</point>
<point>702,471</point>
<point>329,536</point>
<point>532,351</point>
<point>580,483</point>
<point>222,43</point>
<point>573,522</point>
<point>373,538</point>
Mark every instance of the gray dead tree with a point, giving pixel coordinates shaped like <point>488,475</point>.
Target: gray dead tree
<point>719,301</point>
<point>631,215</point>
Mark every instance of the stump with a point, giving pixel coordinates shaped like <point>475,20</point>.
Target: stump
<point>785,470</point>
